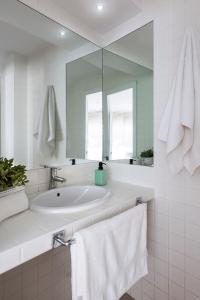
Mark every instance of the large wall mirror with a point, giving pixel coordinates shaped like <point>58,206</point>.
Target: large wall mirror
<point>110,100</point>
<point>128,95</point>
<point>63,97</point>
<point>34,51</point>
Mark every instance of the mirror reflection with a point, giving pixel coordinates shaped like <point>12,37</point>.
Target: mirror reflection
<point>118,93</point>
<point>128,96</point>
<point>62,97</point>
<point>34,51</point>
<point>84,107</point>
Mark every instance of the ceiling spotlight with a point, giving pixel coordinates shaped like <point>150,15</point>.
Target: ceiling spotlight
<point>100,7</point>
<point>62,33</point>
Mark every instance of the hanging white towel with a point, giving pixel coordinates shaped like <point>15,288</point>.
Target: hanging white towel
<point>109,257</point>
<point>46,128</point>
<point>180,126</point>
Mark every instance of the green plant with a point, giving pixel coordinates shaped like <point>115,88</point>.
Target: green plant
<point>147,153</point>
<point>11,176</point>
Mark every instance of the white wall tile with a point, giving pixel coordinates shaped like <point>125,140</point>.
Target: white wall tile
<point>177,226</point>
<point>161,221</point>
<point>148,288</point>
<point>150,277</point>
<point>192,214</point>
<point>177,276</point>
<point>162,206</point>
<point>146,297</point>
<point>161,267</point>
<point>192,232</point>
<point>177,210</point>
<point>175,291</point>
<point>192,249</point>
<point>176,259</point>
<point>160,295</point>
<point>193,267</point>
<point>190,296</point>
<point>192,284</point>
<point>161,252</point>
<point>176,243</point>
<point>161,282</point>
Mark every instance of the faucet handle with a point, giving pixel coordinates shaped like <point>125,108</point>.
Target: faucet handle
<point>51,167</point>
<point>56,168</point>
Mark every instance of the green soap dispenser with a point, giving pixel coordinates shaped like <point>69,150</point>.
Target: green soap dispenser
<point>100,175</point>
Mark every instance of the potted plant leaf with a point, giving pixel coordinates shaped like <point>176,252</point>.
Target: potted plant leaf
<point>147,157</point>
<point>12,195</point>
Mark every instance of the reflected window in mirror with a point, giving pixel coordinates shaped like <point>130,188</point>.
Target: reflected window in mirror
<point>94,126</point>
<point>84,107</point>
<point>128,68</point>
<point>120,108</point>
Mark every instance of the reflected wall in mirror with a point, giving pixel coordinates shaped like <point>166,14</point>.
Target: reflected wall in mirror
<point>112,104</point>
<point>128,95</point>
<point>34,51</point>
<point>63,97</point>
<point>84,107</point>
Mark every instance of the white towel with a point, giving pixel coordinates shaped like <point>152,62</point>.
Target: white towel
<point>46,128</point>
<point>109,257</point>
<point>180,125</point>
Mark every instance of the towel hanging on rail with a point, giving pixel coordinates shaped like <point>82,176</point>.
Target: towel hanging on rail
<point>46,128</point>
<point>180,125</point>
<point>109,257</point>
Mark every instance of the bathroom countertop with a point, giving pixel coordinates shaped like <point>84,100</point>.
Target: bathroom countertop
<point>29,234</point>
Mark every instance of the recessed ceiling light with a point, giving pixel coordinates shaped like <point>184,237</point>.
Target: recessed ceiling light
<point>62,33</point>
<point>99,7</point>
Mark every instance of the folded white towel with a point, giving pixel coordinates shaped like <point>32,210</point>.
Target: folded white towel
<point>180,128</point>
<point>46,128</point>
<point>109,257</point>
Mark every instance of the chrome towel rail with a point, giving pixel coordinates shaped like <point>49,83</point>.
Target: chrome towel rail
<point>59,240</point>
<point>59,237</point>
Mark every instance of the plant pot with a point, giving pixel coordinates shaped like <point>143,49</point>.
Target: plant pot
<point>12,202</point>
<point>147,161</point>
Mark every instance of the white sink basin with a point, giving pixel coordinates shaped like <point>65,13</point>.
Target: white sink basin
<point>69,199</point>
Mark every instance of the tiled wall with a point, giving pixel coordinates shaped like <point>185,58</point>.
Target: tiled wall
<point>174,220</point>
<point>46,277</point>
<point>39,178</point>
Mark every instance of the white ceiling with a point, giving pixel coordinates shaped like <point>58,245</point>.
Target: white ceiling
<point>25,31</point>
<point>114,13</point>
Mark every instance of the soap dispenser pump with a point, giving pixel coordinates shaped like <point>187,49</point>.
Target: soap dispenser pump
<point>100,175</point>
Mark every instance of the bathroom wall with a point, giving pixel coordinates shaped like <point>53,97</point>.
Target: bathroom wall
<point>173,220</point>
<point>48,67</point>
<point>39,178</point>
<point>13,106</point>
<point>144,112</point>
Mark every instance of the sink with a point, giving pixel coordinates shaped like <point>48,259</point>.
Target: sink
<point>69,199</point>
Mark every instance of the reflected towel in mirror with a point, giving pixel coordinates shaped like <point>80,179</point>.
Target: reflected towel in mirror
<point>46,127</point>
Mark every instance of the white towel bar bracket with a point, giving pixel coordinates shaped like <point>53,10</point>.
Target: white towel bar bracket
<point>59,237</point>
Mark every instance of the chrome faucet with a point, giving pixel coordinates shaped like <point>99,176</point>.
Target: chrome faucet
<point>54,178</point>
